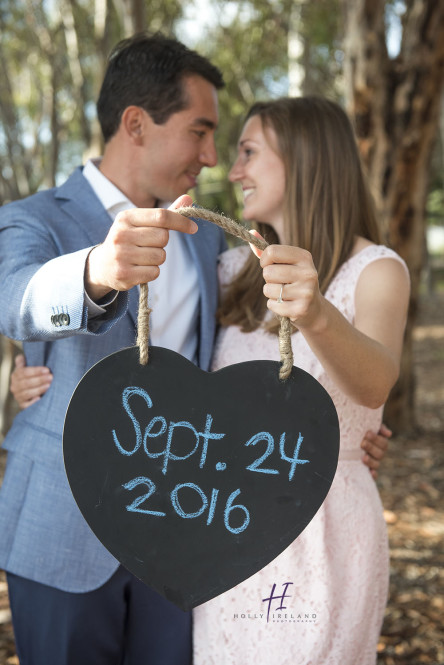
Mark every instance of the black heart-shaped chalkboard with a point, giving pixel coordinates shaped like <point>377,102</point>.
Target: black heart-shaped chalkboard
<point>194,481</point>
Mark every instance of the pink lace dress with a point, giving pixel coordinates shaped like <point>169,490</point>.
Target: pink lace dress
<point>330,585</point>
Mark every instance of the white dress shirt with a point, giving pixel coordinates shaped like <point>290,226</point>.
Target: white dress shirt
<point>174,295</point>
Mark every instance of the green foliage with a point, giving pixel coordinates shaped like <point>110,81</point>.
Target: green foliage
<point>435,206</point>
<point>249,42</point>
<point>52,56</point>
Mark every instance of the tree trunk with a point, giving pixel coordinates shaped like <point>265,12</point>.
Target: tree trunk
<point>396,105</point>
<point>296,51</point>
<point>132,15</point>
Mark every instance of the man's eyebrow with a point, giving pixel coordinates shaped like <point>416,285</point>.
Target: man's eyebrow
<point>205,122</point>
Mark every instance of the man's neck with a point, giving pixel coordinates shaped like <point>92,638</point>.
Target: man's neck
<point>122,177</point>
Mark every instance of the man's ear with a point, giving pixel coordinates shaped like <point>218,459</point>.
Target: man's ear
<point>133,121</point>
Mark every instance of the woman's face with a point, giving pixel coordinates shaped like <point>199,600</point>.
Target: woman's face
<point>261,172</point>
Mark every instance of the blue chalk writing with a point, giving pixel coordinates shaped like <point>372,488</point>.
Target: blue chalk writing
<point>229,509</point>
<point>134,506</point>
<point>157,427</point>
<point>207,435</point>
<point>212,508</point>
<point>149,434</point>
<point>167,452</point>
<point>294,461</point>
<point>179,441</point>
<point>261,436</point>
<point>127,393</point>
<point>178,508</point>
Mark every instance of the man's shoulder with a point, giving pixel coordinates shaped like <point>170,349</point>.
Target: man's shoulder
<point>42,202</point>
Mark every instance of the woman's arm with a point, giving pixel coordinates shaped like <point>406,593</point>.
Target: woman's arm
<point>363,359</point>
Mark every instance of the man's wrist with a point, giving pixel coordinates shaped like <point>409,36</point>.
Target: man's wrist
<point>93,288</point>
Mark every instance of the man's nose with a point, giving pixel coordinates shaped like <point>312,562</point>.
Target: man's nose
<point>209,154</point>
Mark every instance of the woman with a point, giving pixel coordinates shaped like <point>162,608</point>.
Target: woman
<point>321,601</point>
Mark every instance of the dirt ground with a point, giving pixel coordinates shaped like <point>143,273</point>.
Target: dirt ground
<point>412,489</point>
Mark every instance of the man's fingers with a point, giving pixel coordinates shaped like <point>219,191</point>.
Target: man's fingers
<point>372,463</point>
<point>143,256</point>
<point>385,431</point>
<point>133,249</point>
<point>149,218</point>
<point>376,452</point>
<point>19,361</point>
<point>375,445</point>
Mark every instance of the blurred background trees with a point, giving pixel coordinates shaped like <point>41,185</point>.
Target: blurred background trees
<point>382,59</point>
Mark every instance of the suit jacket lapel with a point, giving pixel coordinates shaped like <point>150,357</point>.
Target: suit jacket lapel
<point>204,263</point>
<point>83,206</point>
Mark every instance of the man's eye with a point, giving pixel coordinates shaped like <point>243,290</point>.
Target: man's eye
<point>199,133</point>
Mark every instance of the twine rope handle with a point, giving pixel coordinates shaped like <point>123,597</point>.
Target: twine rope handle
<point>143,325</point>
<point>239,231</point>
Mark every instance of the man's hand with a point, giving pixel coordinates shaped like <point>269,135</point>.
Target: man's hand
<point>134,248</point>
<point>28,384</point>
<point>375,447</point>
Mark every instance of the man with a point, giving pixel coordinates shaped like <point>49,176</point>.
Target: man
<point>71,257</point>
<point>70,271</point>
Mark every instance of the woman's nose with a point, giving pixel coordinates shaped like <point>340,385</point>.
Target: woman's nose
<point>235,172</point>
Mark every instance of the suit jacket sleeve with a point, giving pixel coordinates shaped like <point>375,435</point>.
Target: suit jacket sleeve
<point>42,285</point>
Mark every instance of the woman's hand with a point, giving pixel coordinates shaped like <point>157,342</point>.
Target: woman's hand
<point>28,384</point>
<point>291,285</point>
<point>362,357</point>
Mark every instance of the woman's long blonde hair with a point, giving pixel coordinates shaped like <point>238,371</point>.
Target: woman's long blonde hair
<point>327,201</point>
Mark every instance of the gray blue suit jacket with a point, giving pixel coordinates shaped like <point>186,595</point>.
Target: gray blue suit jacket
<point>44,242</point>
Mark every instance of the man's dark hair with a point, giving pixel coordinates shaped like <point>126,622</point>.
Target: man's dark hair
<point>147,70</point>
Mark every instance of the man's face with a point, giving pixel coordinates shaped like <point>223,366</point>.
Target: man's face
<point>175,152</point>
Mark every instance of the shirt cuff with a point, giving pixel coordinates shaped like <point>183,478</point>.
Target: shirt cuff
<point>98,309</point>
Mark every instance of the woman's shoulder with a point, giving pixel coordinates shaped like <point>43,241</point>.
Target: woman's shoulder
<point>365,252</point>
<point>231,262</point>
<point>369,260</point>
